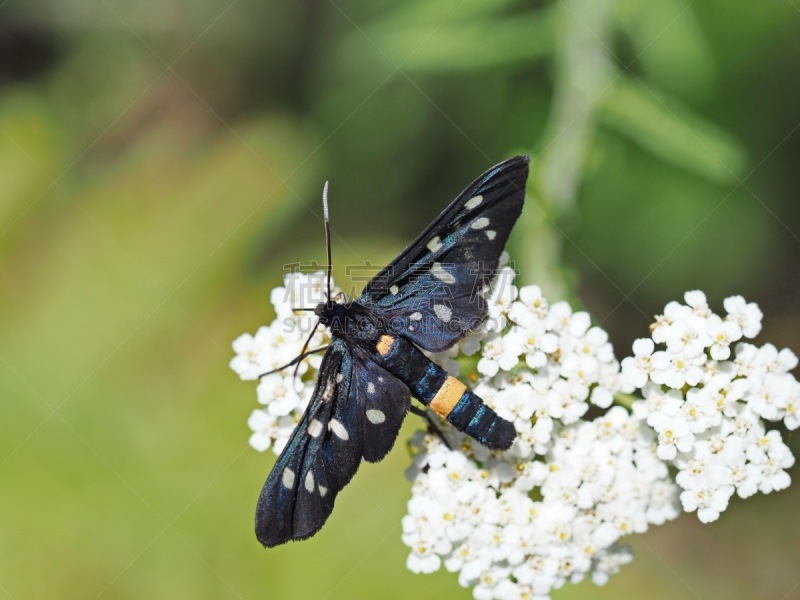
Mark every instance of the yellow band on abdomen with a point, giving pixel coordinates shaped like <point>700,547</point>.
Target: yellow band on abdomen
<point>447,397</point>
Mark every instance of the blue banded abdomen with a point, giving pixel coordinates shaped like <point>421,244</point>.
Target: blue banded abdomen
<point>443,394</point>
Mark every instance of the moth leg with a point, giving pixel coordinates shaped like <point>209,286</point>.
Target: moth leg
<point>295,361</point>
<point>432,426</point>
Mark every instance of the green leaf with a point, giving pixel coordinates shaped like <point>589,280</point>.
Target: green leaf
<point>672,132</point>
<point>669,45</point>
<point>465,47</point>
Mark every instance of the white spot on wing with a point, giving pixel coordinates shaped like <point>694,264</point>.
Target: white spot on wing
<point>394,289</point>
<point>491,234</point>
<point>417,316</point>
<point>338,429</point>
<point>443,312</point>
<point>328,393</point>
<point>375,416</point>
<point>314,428</point>
<point>288,478</point>
<point>480,223</point>
<point>435,244</point>
<point>473,202</point>
<point>339,378</point>
<point>438,271</point>
<point>309,482</point>
<point>370,388</point>
<point>323,490</point>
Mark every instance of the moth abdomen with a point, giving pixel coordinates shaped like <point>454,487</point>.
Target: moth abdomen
<point>444,394</point>
<point>472,416</point>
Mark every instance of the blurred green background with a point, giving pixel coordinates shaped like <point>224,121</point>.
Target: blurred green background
<point>161,161</point>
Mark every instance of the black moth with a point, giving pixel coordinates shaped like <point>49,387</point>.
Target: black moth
<point>426,298</point>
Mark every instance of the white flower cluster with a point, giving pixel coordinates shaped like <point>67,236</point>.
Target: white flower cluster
<point>283,396</point>
<point>518,528</point>
<point>708,404</point>
<point>581,473</point>
<point>551,509</point>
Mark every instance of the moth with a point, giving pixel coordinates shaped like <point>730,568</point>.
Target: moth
<point>428,298</point>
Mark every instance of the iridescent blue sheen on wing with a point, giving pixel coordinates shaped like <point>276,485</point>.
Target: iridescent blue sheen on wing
<point>431,292</point>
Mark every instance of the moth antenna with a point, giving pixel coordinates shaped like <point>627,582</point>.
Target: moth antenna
<point>305,347</point>
<point>327,233</point>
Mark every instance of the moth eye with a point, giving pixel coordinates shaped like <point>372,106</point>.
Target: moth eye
<point>375,416</point>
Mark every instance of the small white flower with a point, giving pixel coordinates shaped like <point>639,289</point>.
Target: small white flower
<point>530,307</point>
<point>682,369</point>
<point>700,411</point>
<point>746,315</point>
<point>746,477</point>
<point>251,358</point>
<point>722,334</point>
<point>708,502</point>
<point>534,342</point>
<point>423,557</point>
<point>698,303</point>
<point>278,393</point>
<point>499,353</point>
<point>637,368</point>
<point>501,299</point>
<point>265,429</point>
<point>674,435</point>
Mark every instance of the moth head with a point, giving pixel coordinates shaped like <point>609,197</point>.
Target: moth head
<point>329,310</point>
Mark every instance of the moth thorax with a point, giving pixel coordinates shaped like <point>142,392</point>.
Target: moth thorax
<point>334,313</point>
<point>329,311</point>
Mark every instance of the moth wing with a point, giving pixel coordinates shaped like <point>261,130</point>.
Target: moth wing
<point>355,411</point>
<point>299,493</point>
<point>382,401</point>
<point>430,293</point>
